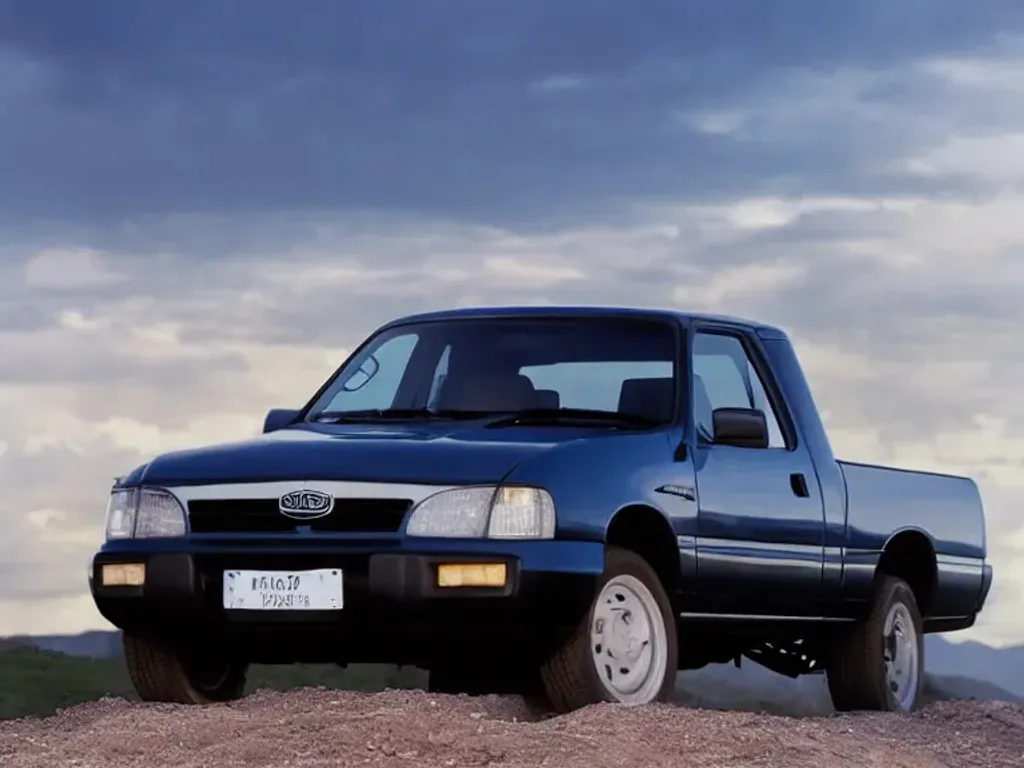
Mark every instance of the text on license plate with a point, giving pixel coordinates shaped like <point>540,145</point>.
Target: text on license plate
<point>318,590</point>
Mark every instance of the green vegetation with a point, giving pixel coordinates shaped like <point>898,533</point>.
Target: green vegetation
<point>37,683</point>
<point>34,682</point>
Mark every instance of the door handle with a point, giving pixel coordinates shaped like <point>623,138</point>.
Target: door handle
<point>798,483</point>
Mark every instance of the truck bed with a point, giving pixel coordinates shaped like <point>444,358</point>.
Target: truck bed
<point>883,502</point>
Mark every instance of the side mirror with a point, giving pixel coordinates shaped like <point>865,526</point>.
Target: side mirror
<point>278,418</point>
<point>740,427</point>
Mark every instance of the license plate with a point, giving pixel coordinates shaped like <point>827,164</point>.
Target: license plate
<point>319,590</point>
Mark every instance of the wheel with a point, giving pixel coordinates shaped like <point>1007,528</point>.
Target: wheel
<point>626,649</point>
<point>880,665</point>
<point>159,672</point>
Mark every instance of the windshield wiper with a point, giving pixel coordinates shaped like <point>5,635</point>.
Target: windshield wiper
<point>573,417</point>
<point>395,414</point>
<point>535,416</point>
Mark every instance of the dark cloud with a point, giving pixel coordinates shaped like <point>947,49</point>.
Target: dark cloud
<point>122,109</point>
<point>512,39</point>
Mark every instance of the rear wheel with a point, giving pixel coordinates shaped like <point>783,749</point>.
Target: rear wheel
<point>880,665</point>
<point>626,649</point>
<point>164,673</point>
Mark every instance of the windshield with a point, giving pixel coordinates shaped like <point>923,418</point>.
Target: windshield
<point>510,365</point>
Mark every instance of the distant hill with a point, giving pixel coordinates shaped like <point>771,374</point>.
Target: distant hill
<point>960,687</point>
<point>37,682</point>
<point>1002,667</point>
<point>965,671</point>
<point>95,644</point>
<point>722,686</point>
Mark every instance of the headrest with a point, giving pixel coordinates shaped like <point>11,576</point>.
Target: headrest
<point>651,398</point>
<point>548,398</point>
<point>487,392</point>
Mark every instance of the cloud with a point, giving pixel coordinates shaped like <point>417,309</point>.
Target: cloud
<point>59,269</point>
<point>903,376</point>
<point>197,225</point>
<point>504,112</point>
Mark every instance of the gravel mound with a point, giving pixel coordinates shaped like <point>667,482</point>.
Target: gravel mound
<point>317,727</point>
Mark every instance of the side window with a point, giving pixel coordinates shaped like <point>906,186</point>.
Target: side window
<point>725,377</point>
<point>375,380</point>
<point>761,402</point>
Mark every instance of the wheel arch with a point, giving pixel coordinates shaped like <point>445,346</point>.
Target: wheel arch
<point>643,529</point>
<point>909,554</point>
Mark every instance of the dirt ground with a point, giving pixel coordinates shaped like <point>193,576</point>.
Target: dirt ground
<point>316,727</point>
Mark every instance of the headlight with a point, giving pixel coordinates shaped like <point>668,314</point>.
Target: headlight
<point>144,513</point>
<point>506,512</point>
<point>121,514</point>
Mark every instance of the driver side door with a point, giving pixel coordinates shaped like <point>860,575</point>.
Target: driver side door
<point>760,518</point>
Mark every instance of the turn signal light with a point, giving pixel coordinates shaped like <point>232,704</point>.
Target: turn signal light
<point>123,574</point>
<point>471,575</point>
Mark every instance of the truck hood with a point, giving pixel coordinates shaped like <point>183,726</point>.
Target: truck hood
<point>446,454</point>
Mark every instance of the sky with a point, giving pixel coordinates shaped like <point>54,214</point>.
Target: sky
<point>204,205</point>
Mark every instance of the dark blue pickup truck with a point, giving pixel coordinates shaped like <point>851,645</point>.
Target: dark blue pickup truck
<point>567,502</point>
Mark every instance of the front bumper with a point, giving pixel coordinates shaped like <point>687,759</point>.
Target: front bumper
<point>393,612</point>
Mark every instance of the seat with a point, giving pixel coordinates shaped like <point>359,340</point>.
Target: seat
<point>487,392</point>
<point>650,398</point>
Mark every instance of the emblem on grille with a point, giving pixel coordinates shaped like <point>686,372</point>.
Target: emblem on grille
<point>306,504</point>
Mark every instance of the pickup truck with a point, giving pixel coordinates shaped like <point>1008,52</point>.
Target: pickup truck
<point>570,503</point>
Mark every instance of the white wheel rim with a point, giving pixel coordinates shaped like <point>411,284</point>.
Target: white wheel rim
<point>901,655</point>
<point>628,641</point>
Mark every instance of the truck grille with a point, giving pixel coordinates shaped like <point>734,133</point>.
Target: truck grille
<point>263,516</point>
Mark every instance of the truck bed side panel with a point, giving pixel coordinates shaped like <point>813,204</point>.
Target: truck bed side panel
<point>884,501</point>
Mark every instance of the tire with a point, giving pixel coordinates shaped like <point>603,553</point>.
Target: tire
<point>859,677</point>
<point>582,671</point>
<point>161,673</point>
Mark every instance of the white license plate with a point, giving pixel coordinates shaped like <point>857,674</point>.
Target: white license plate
<point>319,590</point>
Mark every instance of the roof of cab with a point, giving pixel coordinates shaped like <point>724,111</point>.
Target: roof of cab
<point>761,329</point>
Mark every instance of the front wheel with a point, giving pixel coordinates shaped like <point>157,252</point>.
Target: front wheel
<point>880,665</point>
<point>626,649</point>
<point>161,672</point>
